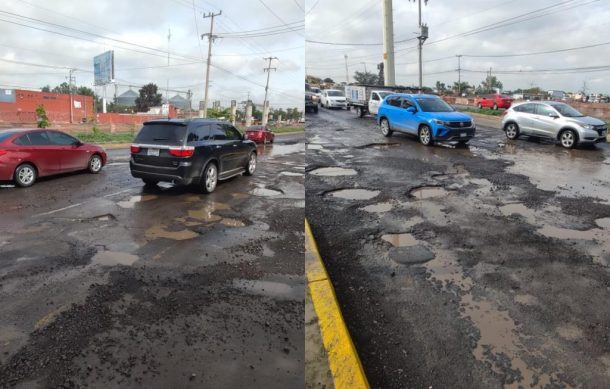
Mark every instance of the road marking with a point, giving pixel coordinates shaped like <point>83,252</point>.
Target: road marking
<point>345,366</point>
<point>59,210</point>
<point>118,193</point>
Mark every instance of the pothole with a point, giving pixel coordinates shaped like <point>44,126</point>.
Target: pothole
<point>516,208</point>
<point>291,174</point>
<point>333,172</point>
<point>354,194</point>
<point>428,192</point>
<point>378,146</point>
<point>378,208</point>
<point>227,221</point>
<point>133,200</point>
<point>275,289</point>
<point>311,146</point>
<point>160,231</point>
<point>266,192</point>
<point>113,258</point>
<point>603,223</point>
<point>400,240</point>
<point>105,217</point>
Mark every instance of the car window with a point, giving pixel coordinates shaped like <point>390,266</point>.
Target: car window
<point>23,140</point>
<point>525,108</point>
<point>5,134</point>
<point>61,139</point>
<point>434,105</point>
<point>199,133</point>
<point>375,97</point>
<point>162,133</point>
<point>394,101</point>
<point>334,93</point>
<point>218,132</point>
<point>39,138</point>
<point>384,94</point>
<point>231,132</point>
<point>567,110</point>
<point>544,110</point>
<point>406,103</point>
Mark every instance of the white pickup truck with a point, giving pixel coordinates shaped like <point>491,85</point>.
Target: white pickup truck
<point>366,98</point>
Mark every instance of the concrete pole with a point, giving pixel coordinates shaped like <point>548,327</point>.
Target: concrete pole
<point>211,38</point>
<point>265,113</point>
<point>265,102</point>
<point>459,57</point>
<point>346,71</point>
<point>248,113</point>
<point>419,49</point>
<point>233,111</point>
<point>388,44</point>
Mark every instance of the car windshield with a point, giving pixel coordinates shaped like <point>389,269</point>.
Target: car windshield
<point>384,94</point>
<point>5,134</point>
<point>162,133</point>
<point>334,93</point>
<point>566,110</point>
<point>434,105</point>
<point>315,90</point>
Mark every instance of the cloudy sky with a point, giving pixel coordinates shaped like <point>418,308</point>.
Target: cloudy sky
<point>510,27</point>
<point>41,39</point>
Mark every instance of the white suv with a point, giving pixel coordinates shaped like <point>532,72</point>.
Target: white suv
<point>333,98</point>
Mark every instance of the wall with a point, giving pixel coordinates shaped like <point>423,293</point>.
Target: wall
<point>22,108</point>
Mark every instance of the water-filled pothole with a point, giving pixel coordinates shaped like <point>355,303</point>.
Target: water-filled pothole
<point>428,192</point>
<point>400,240</point>
<point>333,172</point>
<point>378,208</point>
<point>266,192</point>
<point>274,289</point>
<point>133,200</point>
<point>291,174</point>
<point>378,146</point>
<point>354,194</point>
<point>311,146</point>
<point>603,223</point>
<point>112,258</point>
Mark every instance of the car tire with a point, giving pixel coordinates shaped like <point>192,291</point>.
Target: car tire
<point>386,130</point>
<point>480,106</point>
<point>568,139</point>
<point>25,175</point>
<point>511,130</point>
<point>209,179</point>
<point>315,110</point>
<point>463,142</point>
<point>495,107</point>
<point>425,136</point>
<point>95,164</point>
<point>251,166</point>
<point>149,182</point>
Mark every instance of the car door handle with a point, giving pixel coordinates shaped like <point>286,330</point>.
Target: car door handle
<point>218,146</point>
<point>234,145</point>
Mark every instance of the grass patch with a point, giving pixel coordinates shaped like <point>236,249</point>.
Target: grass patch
<point>104,137</point>
<point>288,129</point>
<point>483,111</point>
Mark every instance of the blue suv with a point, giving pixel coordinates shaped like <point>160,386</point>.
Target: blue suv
<point>427,116</point>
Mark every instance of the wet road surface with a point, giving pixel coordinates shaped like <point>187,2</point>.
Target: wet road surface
<point>484,266</point>
<point>107,283</point>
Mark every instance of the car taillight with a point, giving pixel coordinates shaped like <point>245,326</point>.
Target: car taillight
<point>135,149</point>
<point>182,152</point>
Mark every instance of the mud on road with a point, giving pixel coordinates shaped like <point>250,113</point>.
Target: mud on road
<point>484,266</point>
<point>107,283</point>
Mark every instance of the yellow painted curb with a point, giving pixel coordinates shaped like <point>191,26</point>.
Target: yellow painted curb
<point>343,359</point>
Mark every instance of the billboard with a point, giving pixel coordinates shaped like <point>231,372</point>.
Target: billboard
<point>103,68</point>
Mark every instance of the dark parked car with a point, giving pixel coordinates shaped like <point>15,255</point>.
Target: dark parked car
<point>26,154</point>
<point>260,134</point>
<point>194,151</point>
<point>311,102</point>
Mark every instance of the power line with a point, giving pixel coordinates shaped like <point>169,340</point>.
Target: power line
<point>312,7</point>
<point>276,15</point>
<point>299,5</point>
<point>536,53</point>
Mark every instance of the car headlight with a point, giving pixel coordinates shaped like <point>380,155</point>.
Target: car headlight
<point>440,122</point>
<point>587,126</point>
<point>314,97</point>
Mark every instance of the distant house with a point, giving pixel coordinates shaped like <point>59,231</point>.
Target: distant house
<point>557,95</point>
<point>180,102</point>
<point>127,98</point>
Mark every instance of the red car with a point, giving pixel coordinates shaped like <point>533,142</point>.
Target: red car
<point>26,154</point>
<point>493,101</point>
<point>260,134</point>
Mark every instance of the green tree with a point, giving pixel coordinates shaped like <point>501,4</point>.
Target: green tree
<point>313,80</point>
<point>219,113</point>
<point>148,98</point>
<point>490,83</point>
<point>329,80</point>
<point>366,78</point>
<point>46,88</point>
<point>43,119</point>
<point>441,88</point>
<point>461,87</point>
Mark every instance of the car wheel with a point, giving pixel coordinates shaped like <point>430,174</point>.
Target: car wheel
<point>95,164</point>
<point>425,136</point>
<point>495,107</point>
<point>150,182</point>
<point>512,131</point>
<point>251,167</point>
<point>385,128</point>
<point>463,142</point>
<point>568,139</point>
<point>480,106</point>
<point>210,178</point>
<point>25,175</point>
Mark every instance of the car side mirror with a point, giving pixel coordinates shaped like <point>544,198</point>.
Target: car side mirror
<point>411,109</point>
<point>78,143</point>
<point>553,115</point>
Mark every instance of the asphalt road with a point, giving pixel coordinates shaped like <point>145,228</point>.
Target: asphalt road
<point>106,283</point>
<point>484,266</point>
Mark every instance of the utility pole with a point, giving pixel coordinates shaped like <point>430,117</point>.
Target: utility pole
<point>71,79</point>
<point>459,57</point>
<point>346,71</point>
<point>169,36</point>
<point>388,43</point>
<point>364,63</point>
<point>211,38</point>
<point>423,35</point>
<point>265,102</point>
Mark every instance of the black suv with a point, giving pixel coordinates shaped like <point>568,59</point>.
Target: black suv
<point>193,151</point>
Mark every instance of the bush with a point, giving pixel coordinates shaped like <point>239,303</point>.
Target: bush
<point>43,119</point>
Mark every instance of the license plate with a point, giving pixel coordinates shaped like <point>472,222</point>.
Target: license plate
<point>463,134</point>
<point>153,152</point>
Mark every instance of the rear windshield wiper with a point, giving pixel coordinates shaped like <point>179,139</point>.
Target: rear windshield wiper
<point>160,138</point>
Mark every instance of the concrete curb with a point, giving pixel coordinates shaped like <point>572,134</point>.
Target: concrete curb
<point>345,366</point>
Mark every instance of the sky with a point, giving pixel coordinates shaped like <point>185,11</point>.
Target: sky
<point>511,27</point>
<point>137,31</point>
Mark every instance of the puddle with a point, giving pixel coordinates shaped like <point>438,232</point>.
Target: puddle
<point>378,208</point>
<point>565,233</point>
<point>569,332</point>
<point>266,192</point>
<point>526,299</point>
<point>133,200</point>
<point>274,289</point>
<point>411,254</point>
<point>291,174</point>
<point>227,221</point>
<point>314,147</point>
<point>240,196</point>
<point>267,252</point>
<point>277,149</point>
<point>378,146</point>
<point>159,231</point>
<point>603,223</point>
<point>206,213</point>
<point>428,192</point>
<point>112,258</point>
<point>400,240</point>
<point>354,194</point>
<point>333,172</point>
